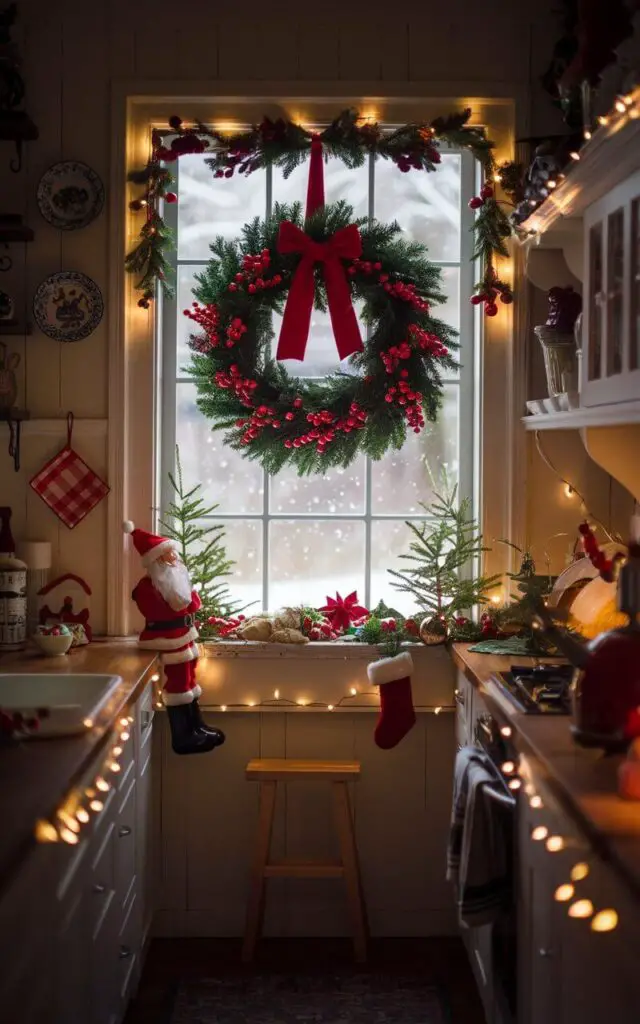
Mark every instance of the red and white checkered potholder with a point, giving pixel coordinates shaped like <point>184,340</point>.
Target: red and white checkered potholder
<point>68,486</point>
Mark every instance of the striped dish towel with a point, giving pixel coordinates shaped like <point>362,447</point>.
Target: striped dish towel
<point>479,847</point>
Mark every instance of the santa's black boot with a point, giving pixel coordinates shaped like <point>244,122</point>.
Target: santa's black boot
<point>201,726</point>
<point>185,738</point>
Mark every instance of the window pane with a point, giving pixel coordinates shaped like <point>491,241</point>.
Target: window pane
<point>228,480</point>
<point>185,326</point>
<point>310,560</point>
<point>339,183</point>
<point>338,492</point>
<point>243,542</point>
<point>210,206</point>
<point>401,480</point>
<point>426,205</point>
<point>389,539</point>
<point>321,354</point>
<point>449,311</point>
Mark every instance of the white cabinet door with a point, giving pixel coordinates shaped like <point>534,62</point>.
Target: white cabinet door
<point>611,318</point>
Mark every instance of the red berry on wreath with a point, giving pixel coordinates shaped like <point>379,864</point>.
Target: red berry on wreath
<point>476,203</point>
<point>490,309</point>
<point>507,298</point>
<point>477,299</point>
<point>486,192</point>
<point>171,197</point>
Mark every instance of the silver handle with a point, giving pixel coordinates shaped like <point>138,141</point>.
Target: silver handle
<point>124,830</point>
<point>459,698</point>
<point>99,889</point>
<point>125,953</point>
<point>546,953</point>
<point>505,801</point>
<point>146,719</point>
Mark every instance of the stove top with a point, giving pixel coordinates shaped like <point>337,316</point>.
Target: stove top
<point>543,690</point>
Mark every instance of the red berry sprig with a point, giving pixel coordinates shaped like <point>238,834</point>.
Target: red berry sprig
<point>409,402</point>
<point>243,387</point>
<point>605,566</point>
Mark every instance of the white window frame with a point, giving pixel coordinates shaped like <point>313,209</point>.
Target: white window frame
<point>134,361</point>
<point>466,383</point>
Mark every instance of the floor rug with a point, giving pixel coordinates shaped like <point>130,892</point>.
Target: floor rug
<point>295,999</point>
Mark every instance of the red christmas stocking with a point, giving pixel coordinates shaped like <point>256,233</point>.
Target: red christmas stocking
<point>397,716</point>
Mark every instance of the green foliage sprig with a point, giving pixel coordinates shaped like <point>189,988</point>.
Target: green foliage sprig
<point>285,144</point>
<point>202,550</point>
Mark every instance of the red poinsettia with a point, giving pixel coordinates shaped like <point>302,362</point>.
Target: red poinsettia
<point>341,612</point>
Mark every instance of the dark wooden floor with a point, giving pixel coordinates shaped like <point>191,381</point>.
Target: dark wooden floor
<point>442,962</point>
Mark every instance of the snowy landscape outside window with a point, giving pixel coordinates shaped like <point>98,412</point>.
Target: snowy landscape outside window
<point>295,540</point>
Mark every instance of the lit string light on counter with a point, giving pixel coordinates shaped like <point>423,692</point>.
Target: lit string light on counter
<point>579,907</point>
<point>77,809</point>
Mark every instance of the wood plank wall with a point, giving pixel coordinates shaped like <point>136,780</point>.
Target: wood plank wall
<point>74,50</point>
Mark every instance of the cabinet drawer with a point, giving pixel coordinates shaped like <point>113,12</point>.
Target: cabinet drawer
<point>101,888</point>
<point>128,949</point>
<point>144,725</point>
<point>125,853</point>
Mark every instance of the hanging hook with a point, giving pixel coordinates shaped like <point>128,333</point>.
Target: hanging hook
<point>69,428</point>
<point>16,163</point>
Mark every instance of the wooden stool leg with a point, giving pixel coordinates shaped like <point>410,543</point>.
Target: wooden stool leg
<point>255,905</point>
<point>349,857</point>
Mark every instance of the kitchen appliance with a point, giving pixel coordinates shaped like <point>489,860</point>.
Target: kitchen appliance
<point>496,945</point>
<point>539,690</point>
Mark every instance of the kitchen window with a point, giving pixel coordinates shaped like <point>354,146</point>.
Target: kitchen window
<point>297,539</point>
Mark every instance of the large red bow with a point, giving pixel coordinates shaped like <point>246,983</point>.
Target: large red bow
<point>342,611</point>
<point>345,244</point>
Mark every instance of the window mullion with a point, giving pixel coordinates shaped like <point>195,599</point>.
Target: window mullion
<point>266,483</point>
<point>368,470</point>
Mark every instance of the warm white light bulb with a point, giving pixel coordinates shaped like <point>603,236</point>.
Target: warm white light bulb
<point>116,751</point>
<point>506,730</point>
<point>82,815</point>
<point>514,784</point>
<point>124,722</point>
<point>579,871</point>
<point>223,707</point>
<point>329,707</point>
<point>554,844</point>
<point>251,703</point>
<point>124,735</point>
<point>68,836</point>
<point>620,106</point>
<point>564,893</point>
<point>96,805</point>
<point>46,832</point>
<point>437,710</point>
<point>540,832</point>
<point>115,767</point>
<point>581,909</point>
<point>536,802</point>
<point>551,183</point>
<point>508,767</point>
<point>155,678</point>
<point>586,134</point>
<point>574,155</point>
<point>603,120</point>
<point>353,691</point>
<point>88,723</point>
<point>605,921</point>
<point>276,694</point>
<point>102,785</point>
<point>496,599</point>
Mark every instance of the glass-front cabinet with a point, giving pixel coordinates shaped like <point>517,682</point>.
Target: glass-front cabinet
<point>611,320</point>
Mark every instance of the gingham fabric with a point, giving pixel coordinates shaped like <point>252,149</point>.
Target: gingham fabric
<point>69,487</point>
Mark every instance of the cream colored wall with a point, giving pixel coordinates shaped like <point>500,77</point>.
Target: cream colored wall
<point>73,53</point>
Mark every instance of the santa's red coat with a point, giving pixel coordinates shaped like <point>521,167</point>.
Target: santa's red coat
<point>176,644</point>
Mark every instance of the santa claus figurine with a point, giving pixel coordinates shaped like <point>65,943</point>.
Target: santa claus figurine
<point>166,600</point>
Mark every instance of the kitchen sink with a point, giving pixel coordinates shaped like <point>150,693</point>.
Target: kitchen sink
<point>68,702</point>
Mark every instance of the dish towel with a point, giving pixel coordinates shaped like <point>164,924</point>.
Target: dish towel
<point>478,855</point>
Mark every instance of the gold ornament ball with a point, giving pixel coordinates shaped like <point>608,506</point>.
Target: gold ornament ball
<point>433,631</point>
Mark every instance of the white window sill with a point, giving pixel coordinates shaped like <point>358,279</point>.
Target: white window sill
<point>335,650</point>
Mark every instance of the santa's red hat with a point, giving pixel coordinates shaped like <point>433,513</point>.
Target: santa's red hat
<point>148,545</point>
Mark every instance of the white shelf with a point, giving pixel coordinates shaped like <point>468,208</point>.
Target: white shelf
<point>620,414</point>
<point>605,161</point>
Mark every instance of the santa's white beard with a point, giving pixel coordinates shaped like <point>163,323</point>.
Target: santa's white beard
<point>172,582</point>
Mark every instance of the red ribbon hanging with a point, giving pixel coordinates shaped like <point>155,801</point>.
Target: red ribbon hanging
<point>345,244</point>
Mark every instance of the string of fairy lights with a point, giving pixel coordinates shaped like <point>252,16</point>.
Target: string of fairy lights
<point>87,801</point>
<point>571,891</point>
<point>625,108</point>
<point>344,703</point>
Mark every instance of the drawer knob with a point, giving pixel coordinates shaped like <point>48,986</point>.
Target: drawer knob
<point>124,830</point>
<point>125,953</point>
<point>99,889</point>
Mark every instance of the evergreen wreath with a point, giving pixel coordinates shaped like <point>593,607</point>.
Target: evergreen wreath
<point>285,145</point>
<point>313,424</point>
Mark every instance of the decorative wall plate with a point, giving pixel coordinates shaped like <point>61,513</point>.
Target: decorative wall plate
<point>70,195</point>
<point>68,306</point>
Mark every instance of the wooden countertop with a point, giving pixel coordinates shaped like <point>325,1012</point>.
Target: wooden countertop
<point>35,774</point>
<point>583,781</point>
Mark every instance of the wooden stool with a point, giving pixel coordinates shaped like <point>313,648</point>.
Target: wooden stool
<point>269,773</point>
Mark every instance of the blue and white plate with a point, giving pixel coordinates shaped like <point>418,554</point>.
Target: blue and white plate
<point>68,306</point>
<point>70,195</point>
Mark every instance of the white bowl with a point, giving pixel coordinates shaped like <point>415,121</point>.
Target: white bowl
<point>51,645</point>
